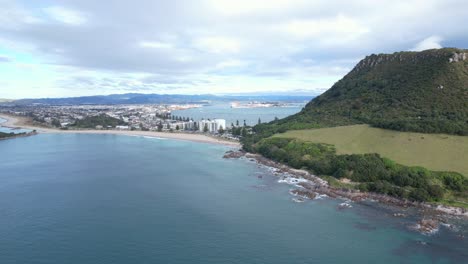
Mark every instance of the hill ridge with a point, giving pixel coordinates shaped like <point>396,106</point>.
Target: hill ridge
<point>408,91</point>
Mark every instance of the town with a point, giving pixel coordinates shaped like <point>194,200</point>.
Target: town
<point>150,117</point>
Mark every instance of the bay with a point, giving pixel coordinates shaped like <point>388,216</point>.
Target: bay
<point>231,115</point>
<point>76,198</point>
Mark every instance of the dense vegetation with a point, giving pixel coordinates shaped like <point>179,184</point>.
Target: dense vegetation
<point>405,91</point>
<point>372,172</point>
<point>8,135</point>
<point>99,120</point>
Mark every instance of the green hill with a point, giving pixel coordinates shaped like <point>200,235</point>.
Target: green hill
<point>407,91</point>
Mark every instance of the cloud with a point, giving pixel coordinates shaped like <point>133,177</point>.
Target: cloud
<point>432,42</point>
<point>218,44</point>
<point>213,45</point>
<point>65,15</point>
<point>242,7</point>
<point>337,27</point>
<point>155,45</point>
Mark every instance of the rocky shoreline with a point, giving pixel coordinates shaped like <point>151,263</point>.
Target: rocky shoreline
<point>310,186</point>
<point>28,134</point>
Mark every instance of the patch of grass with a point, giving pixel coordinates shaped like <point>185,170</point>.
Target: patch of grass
<point>438,152</point>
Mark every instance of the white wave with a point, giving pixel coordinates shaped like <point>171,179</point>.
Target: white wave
<point>158,138</point>
<point>298,200</point>
<point>321,197</point>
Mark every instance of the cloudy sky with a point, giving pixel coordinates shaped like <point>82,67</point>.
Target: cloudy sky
<point>86,47</point>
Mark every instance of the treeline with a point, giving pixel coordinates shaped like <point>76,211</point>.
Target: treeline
<point>424,126</point>
<point>99,120</point>
<point>6,135</point>
<point>11,134</point>
<point>372,172</point>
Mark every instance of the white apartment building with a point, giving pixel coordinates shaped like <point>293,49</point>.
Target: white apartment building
<point>213,125</point>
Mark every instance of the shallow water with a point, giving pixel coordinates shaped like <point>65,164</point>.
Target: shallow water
<point>76,198</point>
<point>10,130</point>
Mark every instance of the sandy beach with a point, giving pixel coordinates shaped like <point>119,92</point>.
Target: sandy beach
<point>25,123</point>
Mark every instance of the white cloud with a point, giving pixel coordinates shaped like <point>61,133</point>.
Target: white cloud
<point>338,27</point>
<point>239,7</point>
<point>12,16</point>
<point>155,45</point>
<point>232,44</point>
<point>231,64</point>
<point>432,42</point>
<point>218,44</point>
<point>65,15</point>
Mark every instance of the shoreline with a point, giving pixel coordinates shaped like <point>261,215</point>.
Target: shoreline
<point>309,187</point>
<point>22,122</point>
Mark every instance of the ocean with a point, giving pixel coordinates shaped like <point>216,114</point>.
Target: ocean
<point>77,198</point>
<point>231,115</point>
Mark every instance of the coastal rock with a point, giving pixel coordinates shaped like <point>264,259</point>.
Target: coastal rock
<point>233,154</point>
<point>306,194</point>
<point>427,226</point>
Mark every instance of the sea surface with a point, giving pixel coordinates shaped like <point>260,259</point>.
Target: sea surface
<point>231,115</point>
<point>76,198</point>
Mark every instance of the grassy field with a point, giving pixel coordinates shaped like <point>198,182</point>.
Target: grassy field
<point>438,152</point>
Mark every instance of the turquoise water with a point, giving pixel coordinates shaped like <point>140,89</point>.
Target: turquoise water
<point>10,130</point>
<point>250,115</point>
<point>76,198</point>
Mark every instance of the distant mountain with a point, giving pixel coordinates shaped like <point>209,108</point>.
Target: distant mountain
<point>408,91</point>
<point>136,98</point>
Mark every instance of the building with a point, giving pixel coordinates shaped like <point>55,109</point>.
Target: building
<point>213,125</point>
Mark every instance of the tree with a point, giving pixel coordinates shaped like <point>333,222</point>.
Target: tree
<point>237,122</point>
<point>244,132</point>
<point>276,118</point>
<point>232,124</point>
<point>160,127</point>
<point>177,127</point>
<point>205,128</point>
<point>245,124</point>
<point>56,123</point>
<point>221,130</point>
<point>259,121</point>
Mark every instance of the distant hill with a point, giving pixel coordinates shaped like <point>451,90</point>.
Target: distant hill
<point>408,91</point>
<point>136,98</point>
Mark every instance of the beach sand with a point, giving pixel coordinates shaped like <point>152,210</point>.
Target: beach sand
<point>25,123</point>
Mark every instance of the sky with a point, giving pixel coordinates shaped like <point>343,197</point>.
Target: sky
<point>86,47</point>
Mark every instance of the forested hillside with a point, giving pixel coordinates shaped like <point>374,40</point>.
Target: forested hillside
<point>407,91</point>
